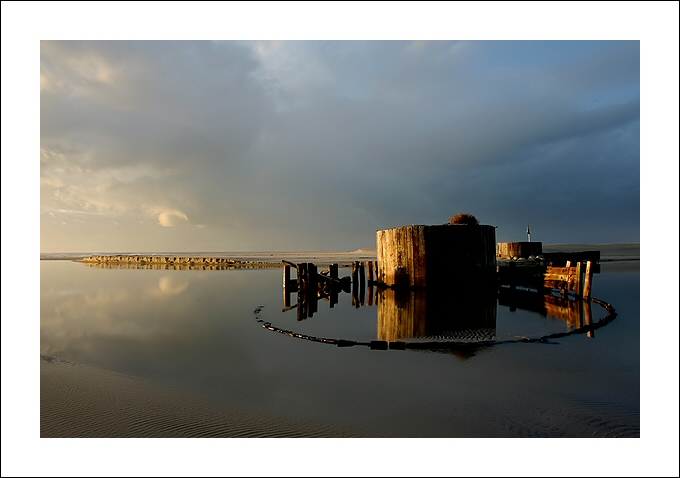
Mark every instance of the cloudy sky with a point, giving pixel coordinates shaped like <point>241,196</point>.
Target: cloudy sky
<point>308,145</point>
<point>292,144</point>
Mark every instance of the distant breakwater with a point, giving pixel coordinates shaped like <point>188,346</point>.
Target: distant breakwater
<point>173,262</point>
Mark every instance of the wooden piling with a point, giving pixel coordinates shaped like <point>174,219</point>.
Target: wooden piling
<point>286,285</point>
<point>362,285</point>
<point>312,277</point>
<point>508,250</point>
<point>441,255</point>
<point>333,271</point>
<point>369,270</point>
<point>588,280</point>
<point>286,275</point>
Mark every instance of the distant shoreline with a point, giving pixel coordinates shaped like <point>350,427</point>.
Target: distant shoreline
<point>609,253</point>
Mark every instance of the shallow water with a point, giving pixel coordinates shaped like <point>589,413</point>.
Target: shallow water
<point>198,331</point>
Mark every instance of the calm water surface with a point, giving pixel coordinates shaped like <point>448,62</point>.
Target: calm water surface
<point>197,330</point>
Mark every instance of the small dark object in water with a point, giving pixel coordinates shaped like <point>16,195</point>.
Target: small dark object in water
<point>378,345</point>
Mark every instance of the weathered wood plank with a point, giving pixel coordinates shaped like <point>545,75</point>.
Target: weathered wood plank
<point>418,256</point>
<point>588,280</point>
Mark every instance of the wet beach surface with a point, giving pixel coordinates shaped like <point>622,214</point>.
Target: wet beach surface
<point>141,336</point>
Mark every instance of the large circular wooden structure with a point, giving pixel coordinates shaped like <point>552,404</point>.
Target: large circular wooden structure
<point>508,250</point>
<point>436,256</point>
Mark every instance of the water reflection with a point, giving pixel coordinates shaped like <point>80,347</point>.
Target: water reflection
<point>444,317</point>
<point>194,330</point>
<point>434,315</point>
<point>175,266</point>
<point>576,313</point>
<point>168,285</point>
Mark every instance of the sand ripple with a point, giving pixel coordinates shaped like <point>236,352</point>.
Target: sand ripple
<point>79,401</point>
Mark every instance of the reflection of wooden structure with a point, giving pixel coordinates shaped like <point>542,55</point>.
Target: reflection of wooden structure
<point>312,285</point>
<point>404,314</point>
<point>440,255</point>
<point>575,312</point>
<point>565,309</point>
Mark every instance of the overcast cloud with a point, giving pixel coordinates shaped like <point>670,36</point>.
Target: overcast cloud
<point>232,146</point>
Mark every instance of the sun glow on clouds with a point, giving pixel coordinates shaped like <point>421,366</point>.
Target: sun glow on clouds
<point>172,218</point>
<point>82,74</point>
<point>75,184</point>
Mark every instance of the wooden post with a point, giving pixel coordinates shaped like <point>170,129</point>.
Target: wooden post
<point>362,276</point>
<point>577,286</point>
<point>333,271</point>
<point>312,292</point>
<point>588,281</point>
<point>369,270</point>
<point>313,278</point>
<point>286,286</point>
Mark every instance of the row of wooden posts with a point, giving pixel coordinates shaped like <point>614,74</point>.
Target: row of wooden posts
<point>312,285</point>
<point>576,279</point>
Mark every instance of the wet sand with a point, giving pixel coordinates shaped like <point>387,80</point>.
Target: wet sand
<point>80,401</point>
<point>85,402</point>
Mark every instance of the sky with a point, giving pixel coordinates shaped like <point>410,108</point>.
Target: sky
<point>149,146</point>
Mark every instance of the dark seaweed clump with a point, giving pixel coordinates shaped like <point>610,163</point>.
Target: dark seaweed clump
<point>464,218</point>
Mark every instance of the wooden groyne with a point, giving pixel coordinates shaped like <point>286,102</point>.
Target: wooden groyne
<point>124,261</point>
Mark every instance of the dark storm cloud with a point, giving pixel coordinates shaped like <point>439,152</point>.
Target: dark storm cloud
<point>315,145</point>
